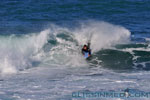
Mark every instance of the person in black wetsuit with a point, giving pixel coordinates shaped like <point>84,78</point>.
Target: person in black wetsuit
<point>86,48</point>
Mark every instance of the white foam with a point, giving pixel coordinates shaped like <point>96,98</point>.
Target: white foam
<point>101,35</point>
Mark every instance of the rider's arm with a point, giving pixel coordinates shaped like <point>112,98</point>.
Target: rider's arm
<point>88,45</point>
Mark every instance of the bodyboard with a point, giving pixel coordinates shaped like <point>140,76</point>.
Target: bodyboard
<point>86,55</point>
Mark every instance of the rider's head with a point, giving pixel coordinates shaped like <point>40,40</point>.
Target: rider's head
<point>85,47</point>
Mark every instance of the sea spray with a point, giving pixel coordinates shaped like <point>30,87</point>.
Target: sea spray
<point>101,34</point>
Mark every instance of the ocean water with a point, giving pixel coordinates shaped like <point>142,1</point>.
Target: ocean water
<point>41,41</point>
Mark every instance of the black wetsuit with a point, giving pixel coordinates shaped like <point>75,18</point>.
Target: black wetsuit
<point>87,50</point>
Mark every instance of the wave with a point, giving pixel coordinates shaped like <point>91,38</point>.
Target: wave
<point>59,46</point>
